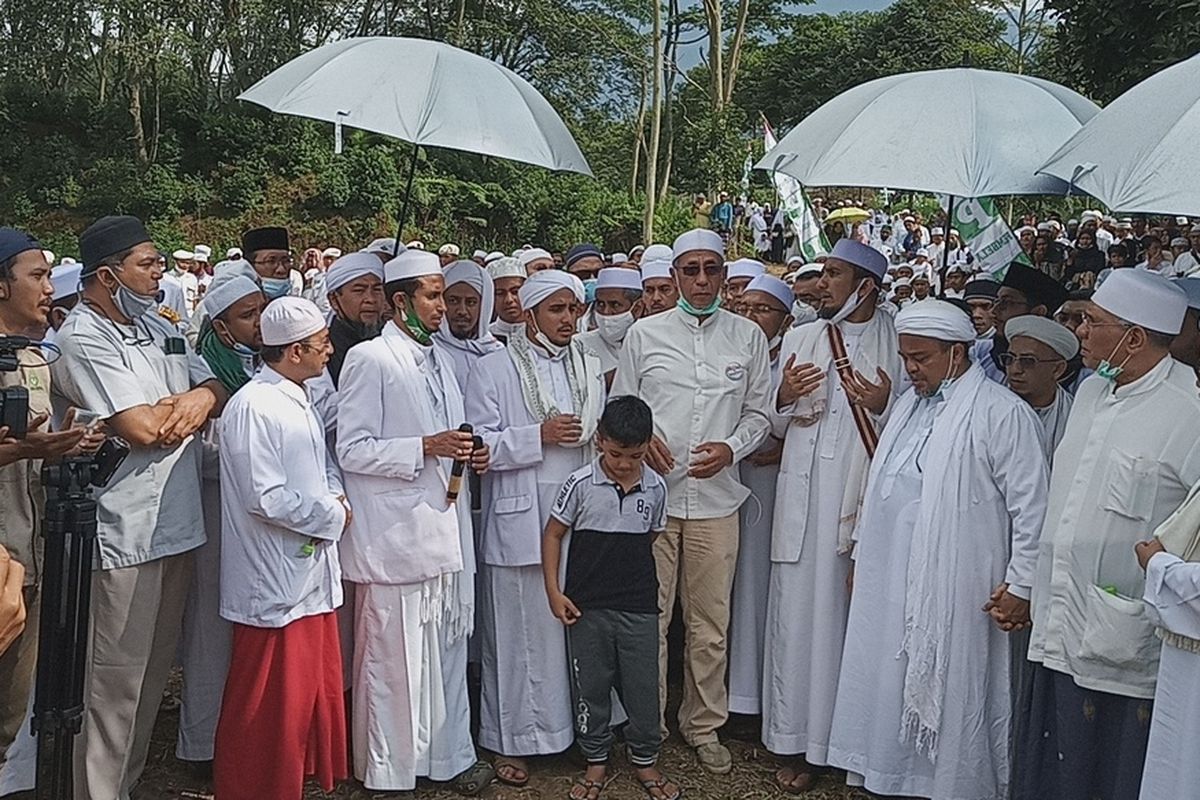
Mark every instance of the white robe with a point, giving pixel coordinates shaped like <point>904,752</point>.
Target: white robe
<point>1173,601</point>
<point>807,600</point>
<point>986,450</point>
<point>525,696</point>
<point>413,557</point>
<point>1054,421</point>
<point>748,609</point>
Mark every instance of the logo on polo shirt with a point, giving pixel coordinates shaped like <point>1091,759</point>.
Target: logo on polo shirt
<point>735,371</point>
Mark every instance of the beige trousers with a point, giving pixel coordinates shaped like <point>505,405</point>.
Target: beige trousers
<point>17,666</point>
<point>696,559</point>
<point>137,615</point>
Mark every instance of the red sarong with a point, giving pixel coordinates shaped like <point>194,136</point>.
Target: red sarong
<point>282,714</point>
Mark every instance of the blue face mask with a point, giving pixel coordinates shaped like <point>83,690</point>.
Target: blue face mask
<point>132,304</point>
<point>275,288</point>
<point>589,290</point>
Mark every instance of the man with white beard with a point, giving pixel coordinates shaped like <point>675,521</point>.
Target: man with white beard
<point>840,375</point>
<point>618,305</point>
<point>954,506</point>
<point>466,334</point>
<point>765,301</point>
<point>536,404</point>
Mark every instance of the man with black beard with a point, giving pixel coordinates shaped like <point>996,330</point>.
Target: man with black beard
<point>355,287</point>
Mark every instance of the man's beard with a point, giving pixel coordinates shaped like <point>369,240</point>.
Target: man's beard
<point>364,330</point>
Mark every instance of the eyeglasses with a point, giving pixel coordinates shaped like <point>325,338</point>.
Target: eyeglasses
<point>757,308</point>
<point>276,261</point>
<point>1025,362</point>
<point>710,271</point>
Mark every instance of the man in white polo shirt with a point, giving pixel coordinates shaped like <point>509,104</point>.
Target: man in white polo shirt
<point>705,373</point>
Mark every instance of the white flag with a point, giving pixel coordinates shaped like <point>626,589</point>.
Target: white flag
<point>809,236</point>
<point>987,236</point>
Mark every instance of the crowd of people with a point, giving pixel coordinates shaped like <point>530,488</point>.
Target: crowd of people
<point>893,498</point>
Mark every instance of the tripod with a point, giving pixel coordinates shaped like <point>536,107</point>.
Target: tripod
<point>69,531</point>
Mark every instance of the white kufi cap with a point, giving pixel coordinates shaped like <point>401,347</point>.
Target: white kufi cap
<point>745,268</point>
<point>1055,336</point>
<point>1143,298</point>
<point>412,263</point>
<point>527,257</point>
<point>221,296</point>
<point>698,239</point>
<point>289,320</point>
<point>65,278</point>
<point>505,267</point>
<point>619,278</point>
<point>775,287</point>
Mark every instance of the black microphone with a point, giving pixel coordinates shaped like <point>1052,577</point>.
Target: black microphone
<point>456,472</point>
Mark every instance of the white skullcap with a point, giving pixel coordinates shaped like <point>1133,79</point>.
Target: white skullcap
<point>921,251</point>
<point>183,255</point>
<point>492,256</point>
<point>289,320</point>
<point>331,252</point>
<point>233,253</point>
<point>1181,220</point>
<point>1055,336</point>
<point>67,261</point>
<point>1044,226</point>
<point>351,267</point>
<point>385,246</point>
<point>810,269</point>
<point>896,284</point>
<point>637,248</point>
<point>655,268</point>
<point>1180,241</point>
<point>1195,229</point>
<point>936,232</point>
<point>517,252</point>
<point>449,250</point>
<point>470,273</point>
<point>415,244</point>
<point>936,319</point>
<point>920,275</point>
<point>658,252</point>
<point>1086,215</point>
<point>619,258</point>
<point>412,263</point>
<point>541,285</point>
<point>233,270</point>
<point>745,268</point>
<point>221,296</point>
<point>1143,298</point>
<point>774,287</point>
<point>238,266</point>
<point>795,260</point>
<point>527,257</point>
<point>65,278</point>
<point>505,267</point>
<point>1190,286</point>
<point>698,239</point>
<point>481,254</point>
<point>619,278</point>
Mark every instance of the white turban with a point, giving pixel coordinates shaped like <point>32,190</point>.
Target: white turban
<point>1057,337</point>
<point>65,278</point>
<point>936,319</point>
<point>289,320</point>
<point>699,239</point>
<point>527,257</point>
<point>745,268</point>
<point>331,252</point>
<point>386,246</point>
<point>1143,298</point>
<point>619,278</point>
<point>222,295</point>
<point>505,267</point>
<point>412,263</point>
<point>774,287</point>
<point>541,285</point>
<point>469,272</point>
<point>351,267</point>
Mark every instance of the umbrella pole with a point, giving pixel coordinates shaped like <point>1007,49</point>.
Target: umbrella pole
<point>412,170</point>
<point>946,237</point>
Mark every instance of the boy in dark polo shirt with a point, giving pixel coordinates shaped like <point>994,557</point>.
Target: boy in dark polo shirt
<point>613,507</point>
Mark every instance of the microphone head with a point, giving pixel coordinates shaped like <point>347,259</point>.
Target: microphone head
<point>465,428</point>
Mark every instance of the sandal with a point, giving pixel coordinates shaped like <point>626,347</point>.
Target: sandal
<point>474,779</point>
<point>661,784</point>
<point>502,764</point>
<point>588,787</point>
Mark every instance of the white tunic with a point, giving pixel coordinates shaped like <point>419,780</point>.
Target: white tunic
<point>525,696</point>
<point>1054,420</point>
<point>996,468</point>
<point>808,602</point>
<point>1173,601</point>
<point>1124,464</point>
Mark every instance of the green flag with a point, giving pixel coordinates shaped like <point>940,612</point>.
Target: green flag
<point>810,238</point>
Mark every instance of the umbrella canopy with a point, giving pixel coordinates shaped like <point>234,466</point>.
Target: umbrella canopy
<point>425,92</point>
<point>848,214</point>
<point>962,132</point>
<point>1138,154</point>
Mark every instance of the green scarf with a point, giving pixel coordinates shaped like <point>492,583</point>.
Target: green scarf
<point>225,364</point>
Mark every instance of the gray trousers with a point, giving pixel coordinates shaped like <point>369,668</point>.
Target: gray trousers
<point>615,650</point>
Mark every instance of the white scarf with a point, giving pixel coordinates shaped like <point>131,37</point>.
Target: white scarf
<point>480,346</point>
<point>584,376</point>
<point>1180,535</point>
<point>509,330</point>
<point>928,601</point>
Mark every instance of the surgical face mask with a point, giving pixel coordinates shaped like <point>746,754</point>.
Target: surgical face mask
<point>613,329</point>
<point>852,303</point>
<point>132,304</point>
<point>274,288</point>
<point>555,350</point>
<point>227,339</point>
<point>412,323</point>
<point>699,312</point>
<point>1109,371</point>
<point>589,291</point>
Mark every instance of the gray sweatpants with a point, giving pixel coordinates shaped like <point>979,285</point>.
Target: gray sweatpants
<point>615,650</point>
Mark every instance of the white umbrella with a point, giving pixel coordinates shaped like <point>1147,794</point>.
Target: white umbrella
<point>425,92</point>
<point>1139,153</point>
<point>961,132</point>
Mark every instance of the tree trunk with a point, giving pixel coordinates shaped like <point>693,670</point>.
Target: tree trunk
<point>735,52</point>
<point>639,139</point>
<point>716,55</point>
<point>138,130</point>
<point>656,87</point>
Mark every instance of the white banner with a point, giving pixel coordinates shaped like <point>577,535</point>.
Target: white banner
<point>810,239</point>
<point>987,236</point>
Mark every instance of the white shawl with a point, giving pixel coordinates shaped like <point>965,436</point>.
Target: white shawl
<point>1180,535</point>
<point>584,375</point>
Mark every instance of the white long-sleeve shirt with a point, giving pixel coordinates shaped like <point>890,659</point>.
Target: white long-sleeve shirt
<point>280,512</point>
<point>704,381</point>
<point>1127,460</point>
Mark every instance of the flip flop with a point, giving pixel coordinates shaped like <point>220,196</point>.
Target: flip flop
<point>501,762</point>
<point>661,785</point>
<point>588,786</point>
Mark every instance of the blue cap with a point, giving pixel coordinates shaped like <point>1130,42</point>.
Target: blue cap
<point>14,242</point>
<point>860,255</point>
